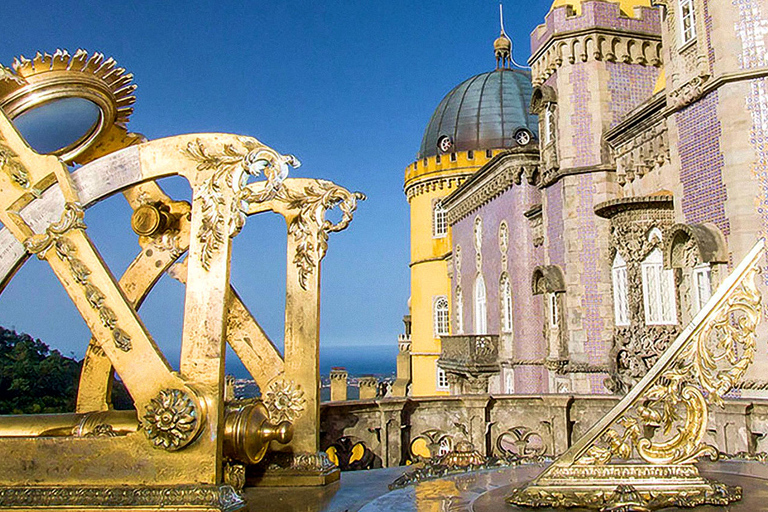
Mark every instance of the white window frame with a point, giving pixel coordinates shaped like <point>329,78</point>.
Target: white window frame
<point>459,303</point>
<point>441,316</point>
<point>554,311</point>
<point>439,223</point>
<point>549,123</point>
<point>702,275</point>
<point>441,379</point>
<point>620,298</point>
<point>478,233</point>
<point>481,306</point>
<point>509,382</point>
<point>505,291</point>
<point>659,301</point>
<point>687,21</point>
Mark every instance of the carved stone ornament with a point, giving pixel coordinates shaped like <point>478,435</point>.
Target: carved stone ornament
<point>284,401</point>
<point>171,419</point>
<point>310,228</point>
<point>231,167</point>
<point>663,420</point>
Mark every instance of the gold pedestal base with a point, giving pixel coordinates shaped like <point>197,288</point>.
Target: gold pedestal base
<point>281,469</point>
<point>624,487</point>
<point>181,498</point>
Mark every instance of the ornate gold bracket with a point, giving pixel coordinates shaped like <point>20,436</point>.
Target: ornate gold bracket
<point>657,429</point>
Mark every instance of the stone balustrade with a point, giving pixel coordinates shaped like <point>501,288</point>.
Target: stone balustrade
<point>394,428</point>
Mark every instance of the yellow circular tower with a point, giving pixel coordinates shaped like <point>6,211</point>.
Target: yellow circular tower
<point>475,120</point>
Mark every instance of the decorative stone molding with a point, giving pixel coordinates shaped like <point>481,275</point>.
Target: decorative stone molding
<point>547,279</point>
<point>536,224</point>
<point>636,346</point>
<point>708,240</point>
<point>472,353</point>
<point>640,143</point>
<point>550,176</point>
<point>433,184</point>
<point>594,44</point>
<point>688,92</point>
<point>491,181</point>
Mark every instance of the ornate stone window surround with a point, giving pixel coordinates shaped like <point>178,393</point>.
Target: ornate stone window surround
<point>459,315</point>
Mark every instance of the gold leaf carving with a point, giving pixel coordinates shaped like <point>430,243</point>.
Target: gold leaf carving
<point>663,419</point>
<point>10,165</point>
<point>72,218</point>
<point>310,228</point>
<point>230,169</point>
<point>171,419</point>
<point>284,401</point>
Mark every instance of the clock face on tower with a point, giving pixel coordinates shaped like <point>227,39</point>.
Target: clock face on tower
<point>523,137</point>
<point>444,144</point>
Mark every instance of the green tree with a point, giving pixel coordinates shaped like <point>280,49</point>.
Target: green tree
<point>34,378</point>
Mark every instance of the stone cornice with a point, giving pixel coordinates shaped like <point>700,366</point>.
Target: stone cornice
<point>551,176</point>
<point>421,186</point>
<point>442,257</point>
<point>503,171</point>
<point>598,44</point>
<point>609,209</point>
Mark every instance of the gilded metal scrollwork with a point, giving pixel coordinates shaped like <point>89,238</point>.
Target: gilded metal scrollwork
<point>231,166</point>
<point>663,419</point>
<point>310,228</point>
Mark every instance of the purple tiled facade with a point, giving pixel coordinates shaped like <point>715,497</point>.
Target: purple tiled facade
<point>701,164</point>
<point>522,258</point>
<point>628,86</point>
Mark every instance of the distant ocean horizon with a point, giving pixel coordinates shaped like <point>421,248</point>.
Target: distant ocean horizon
<point>358,360</point>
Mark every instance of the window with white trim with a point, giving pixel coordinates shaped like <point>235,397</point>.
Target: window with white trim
<point>439,225</point>
<point>554,311</point>
<point>505,291</point>
<point>687,22</point>
<point>481,316</point>
<point>620,300</point>
<point>702,286</point>
<point>549,123</point>
<point>658,291</point>
<point>509,382</point>
<point>440,315</point>
<point>459,316</point>
<point>442,380</point>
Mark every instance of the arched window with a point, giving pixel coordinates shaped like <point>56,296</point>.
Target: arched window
<point>439,226</point>
<point>658,291</point>
<point>440,316</point>
<point>505,293</point>
<point>620,300</point>
<point>481,317</point>
<point>459,316</point>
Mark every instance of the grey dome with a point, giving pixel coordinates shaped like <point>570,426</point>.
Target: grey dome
<point>483,112</point>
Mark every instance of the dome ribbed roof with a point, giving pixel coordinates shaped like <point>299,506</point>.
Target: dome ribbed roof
<point>483,112</point>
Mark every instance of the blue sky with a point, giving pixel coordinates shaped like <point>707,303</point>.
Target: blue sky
<point>347,87</point>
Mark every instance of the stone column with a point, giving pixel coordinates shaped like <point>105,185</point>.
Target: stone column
<point>400,386</point>
<point>368,386</point>
<point>338,384</point>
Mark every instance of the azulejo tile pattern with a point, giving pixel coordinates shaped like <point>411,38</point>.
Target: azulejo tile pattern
<point>701,164</point>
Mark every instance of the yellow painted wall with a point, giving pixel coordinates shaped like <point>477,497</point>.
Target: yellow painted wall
<point>429,271</point>
<point>627,6</point>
